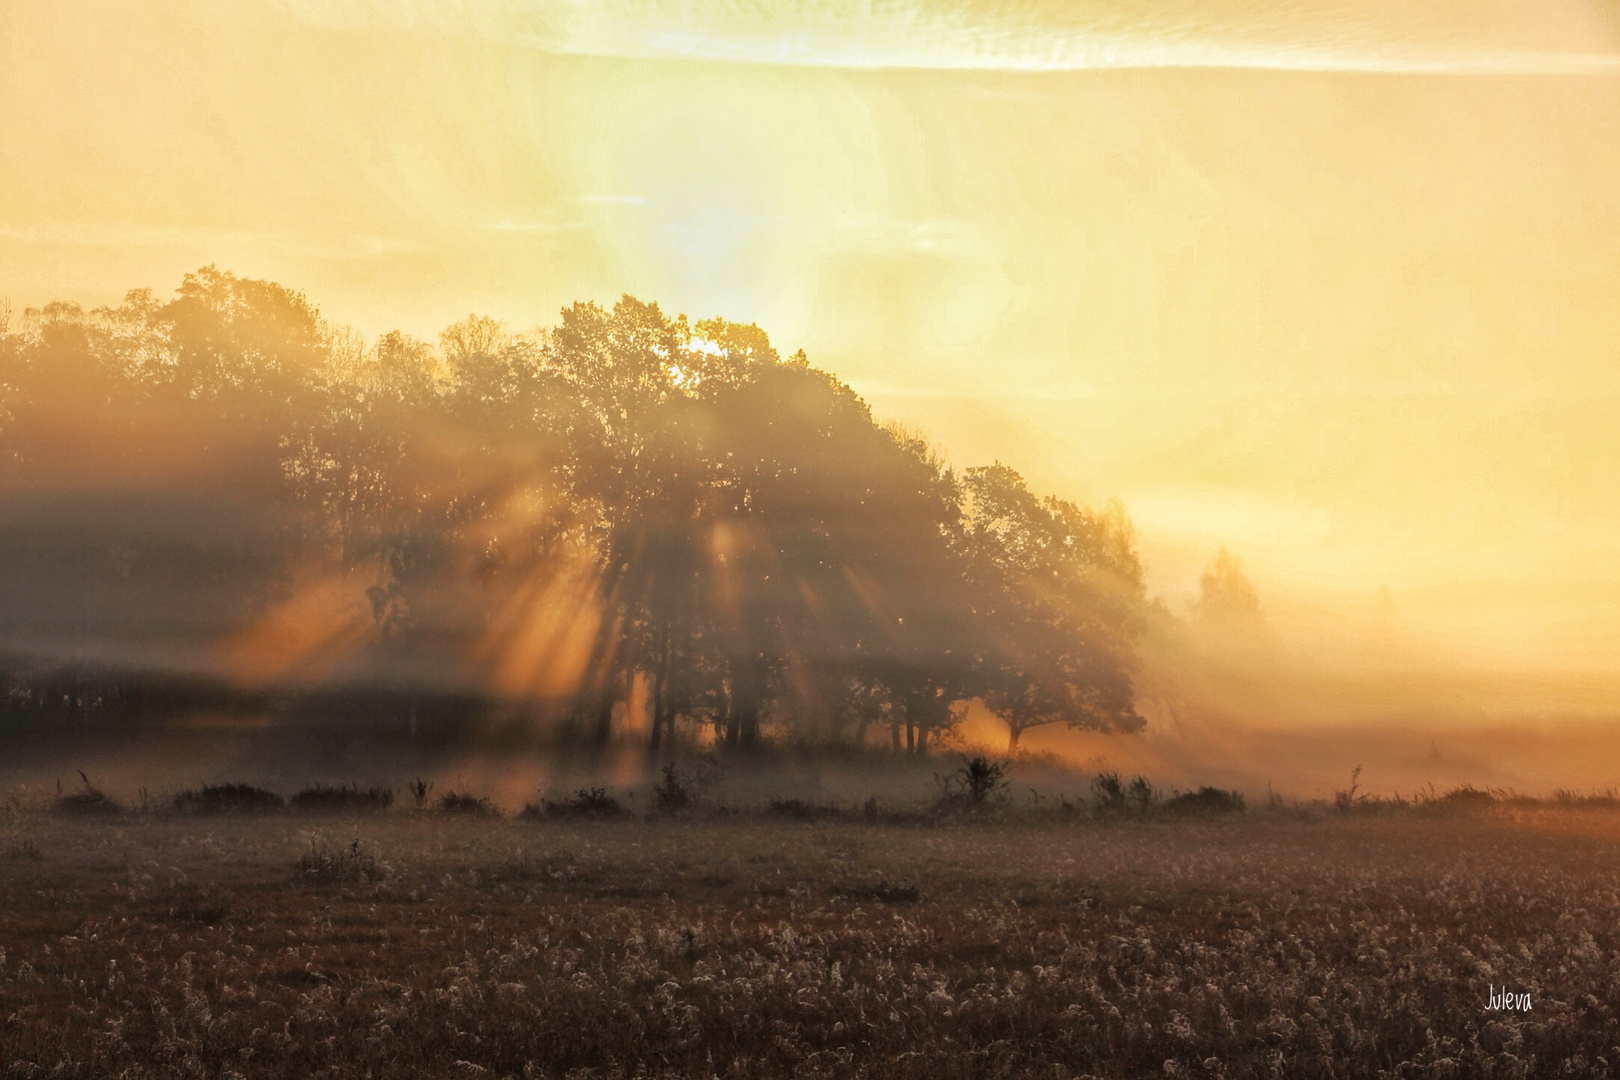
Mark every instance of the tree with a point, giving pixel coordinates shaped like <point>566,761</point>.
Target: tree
<point>1057,589</point>
<point>1227,602</point>
<point>736,530</point>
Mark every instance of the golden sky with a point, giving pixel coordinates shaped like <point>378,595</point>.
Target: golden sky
<point>1335,284</point>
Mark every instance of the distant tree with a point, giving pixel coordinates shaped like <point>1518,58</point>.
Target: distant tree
<point>1227,601</point>
<point>1058,589</point>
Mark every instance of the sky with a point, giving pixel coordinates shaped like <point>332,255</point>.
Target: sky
<point>1333,284</point>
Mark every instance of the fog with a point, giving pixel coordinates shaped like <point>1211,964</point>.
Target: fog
<point>1328,286</point>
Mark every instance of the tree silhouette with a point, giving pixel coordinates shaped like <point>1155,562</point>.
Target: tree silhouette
<point>624,500</point>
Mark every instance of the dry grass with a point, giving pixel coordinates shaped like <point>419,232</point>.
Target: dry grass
<point>415,945</point>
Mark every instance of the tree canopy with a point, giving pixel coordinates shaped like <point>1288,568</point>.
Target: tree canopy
<point>626,505</point>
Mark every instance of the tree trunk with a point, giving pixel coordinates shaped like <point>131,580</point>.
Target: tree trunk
<point>1012,739</point>
<point>747,695</point>
<point>732,734</point>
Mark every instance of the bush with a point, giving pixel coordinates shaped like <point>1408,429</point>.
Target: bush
<point>971,786</point>
<point>587,803</point>
<point>982,778</point>
<point>1206,800</point>
<point>674,793</point>
<point>89,799</point>
<point>456,802</point>
<point>343,798</point>
<point>227,799</point>
<point>804,810</point>
<point>1110,794</point>
<point>1467,797</point>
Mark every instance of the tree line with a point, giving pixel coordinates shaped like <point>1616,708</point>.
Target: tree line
<point>623,509</point>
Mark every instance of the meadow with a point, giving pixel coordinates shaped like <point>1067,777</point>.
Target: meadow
<point>792,940</point>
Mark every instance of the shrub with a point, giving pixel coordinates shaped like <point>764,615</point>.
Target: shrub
<point>89,799</point>
<point>1206,800</point>
<point>674,793</point>
<point>971,786</point>
<point>345,797</point>
<point>227,799</point>
<point>982,778</point>
<point>458,802</point>
<point>420,789</point>
<point>1110,794</point>
<point>1467,797</point>
<point>586,803</point>
<point>804,810</point>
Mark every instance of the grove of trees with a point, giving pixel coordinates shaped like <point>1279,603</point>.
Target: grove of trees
<point>626,507</point>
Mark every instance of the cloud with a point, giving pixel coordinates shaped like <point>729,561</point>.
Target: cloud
<point>1028,36</point>
<point>122,235</point>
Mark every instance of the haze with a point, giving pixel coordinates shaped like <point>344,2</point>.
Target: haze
<point>1333,286</point>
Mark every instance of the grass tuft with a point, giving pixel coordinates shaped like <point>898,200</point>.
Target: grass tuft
<point>89,799</point>
<point>323,864</point>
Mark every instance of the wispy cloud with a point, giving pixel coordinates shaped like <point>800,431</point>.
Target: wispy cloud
<point>139,234</point>
<point>1571,37</point>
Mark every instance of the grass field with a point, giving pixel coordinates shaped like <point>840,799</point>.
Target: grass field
<point>423,944</point>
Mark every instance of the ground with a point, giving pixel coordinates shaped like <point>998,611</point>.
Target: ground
<point>419,944</point>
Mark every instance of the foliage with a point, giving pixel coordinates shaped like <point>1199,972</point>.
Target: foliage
<point>1226,598</point>
<point>972,785</point>
<point>593,802</point>
<point>460,802</point>
<point>662,503</point>
<point>226,799</point>
<point>673,793</point>
<point>1206,801</point>
<point>1111,795</point>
